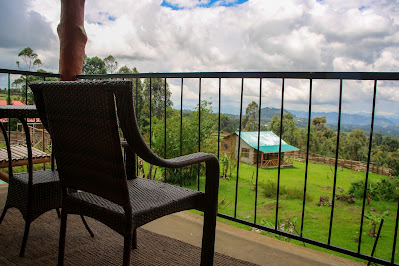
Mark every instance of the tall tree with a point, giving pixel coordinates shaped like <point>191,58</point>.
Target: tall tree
<point>93,65</point>
<point>356,145</point>
<point>20,85</point>
<point>124,70</point>
<point>30,58</point>
<point>291,133</point>
<point>110,64</point>
<point>319,123</point>
<point>250,122</point>
<point>189,142</point>
<point>157,96</point>
<point>226,124</point>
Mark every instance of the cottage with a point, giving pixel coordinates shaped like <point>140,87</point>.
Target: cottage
<point>268,148</point>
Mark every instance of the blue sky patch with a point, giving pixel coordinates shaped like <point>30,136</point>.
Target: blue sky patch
<point>200,3</point>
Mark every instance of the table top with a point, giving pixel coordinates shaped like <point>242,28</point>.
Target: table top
<point>18,111</point>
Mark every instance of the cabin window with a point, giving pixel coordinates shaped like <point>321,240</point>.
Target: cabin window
<point>245,152</point>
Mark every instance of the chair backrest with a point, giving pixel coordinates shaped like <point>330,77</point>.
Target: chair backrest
<point>82,121</point>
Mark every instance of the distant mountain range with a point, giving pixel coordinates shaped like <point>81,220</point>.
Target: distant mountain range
<point>382,124</point>
<point>349,119</point>
<point>349,122</point>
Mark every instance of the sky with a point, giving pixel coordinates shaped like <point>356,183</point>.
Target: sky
<point>227,35</point>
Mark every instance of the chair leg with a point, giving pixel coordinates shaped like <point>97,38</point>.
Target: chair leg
<point>3,214</point>
<point>208,238</point>
<point>58,212</point>
<point>126,249</point>
<point>87,226</point>
<point>134,239</point>
<point>25,239</point>
<point>61,247</point>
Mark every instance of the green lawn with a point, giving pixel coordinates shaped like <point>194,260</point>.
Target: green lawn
<point>346,222</point>
<point>347,217</point>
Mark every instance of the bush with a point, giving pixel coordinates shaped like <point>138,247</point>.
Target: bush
<point>188,175</point>
<point>270,191</point>
<point>386,189</point>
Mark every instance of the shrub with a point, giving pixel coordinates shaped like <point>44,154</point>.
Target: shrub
<point>385,189</point>
<point>270,191</point>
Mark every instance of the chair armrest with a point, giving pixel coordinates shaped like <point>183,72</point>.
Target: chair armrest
<point>177,162</point>
<point>187,160</point>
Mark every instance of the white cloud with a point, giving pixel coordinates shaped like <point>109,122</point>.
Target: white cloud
<point>258,35</point>
<point>187,3</point>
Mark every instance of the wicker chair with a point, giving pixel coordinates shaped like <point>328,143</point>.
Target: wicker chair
<point>34,192</point>
<point>82,117</point>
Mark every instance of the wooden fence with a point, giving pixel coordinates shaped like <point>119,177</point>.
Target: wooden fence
<point>349,164</point>
<point>273,163</point>
<point>38,136</point>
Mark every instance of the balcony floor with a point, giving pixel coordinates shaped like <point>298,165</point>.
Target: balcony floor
<point>173,240</point>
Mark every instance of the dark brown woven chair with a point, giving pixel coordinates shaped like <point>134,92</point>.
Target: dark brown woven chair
<point>82,117</point>
<point>34,192</point>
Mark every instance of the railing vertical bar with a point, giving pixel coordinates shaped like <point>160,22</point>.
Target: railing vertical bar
<point>9,89</point>
<point>26,89</point>
<point>368,165</point>
<point>150,89</point>
<point>336,163</point>
<point>220,92</point>
<point>395,237</point>
<point>376,240</point>
<point>9,102</point>
<point>307,154</point>
<point>165,130</point>
<point>257,156</point>
<point>279,151</point>
<point>137,118</point>
<point>181,129</point>
<point>239,147</point>
<point>137,99</point>
<point>43,137</point>
<point>199,128</point>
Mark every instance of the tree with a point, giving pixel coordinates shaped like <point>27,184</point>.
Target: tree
<point>110,64</point>
<point>226,125</point>
<point>157,97</point>
<point>29,57</point>
<point>291,133</point>
<point>250,122</point>
<point>390,144</point>
<point>124,70</point>
<point>20,84</point>
<point>393,162</point>
<point>356,145</point>
<point>93,65</point>
<point>189,140</point>
<point>319,123</point>
<point>325,137</point>
<point>377,140</point>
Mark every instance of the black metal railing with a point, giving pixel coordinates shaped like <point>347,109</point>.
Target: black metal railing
<point>281,77</point>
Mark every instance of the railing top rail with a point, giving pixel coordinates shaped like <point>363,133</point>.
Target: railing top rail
<point>29,73</point>
<point>287,75</point>
<point>277,75</point>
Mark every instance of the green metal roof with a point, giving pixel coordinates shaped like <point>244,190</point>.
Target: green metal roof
<point>268,141</point>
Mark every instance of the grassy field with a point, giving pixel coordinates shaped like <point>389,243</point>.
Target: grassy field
<point>347,217</point>
<point>4,96</point>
